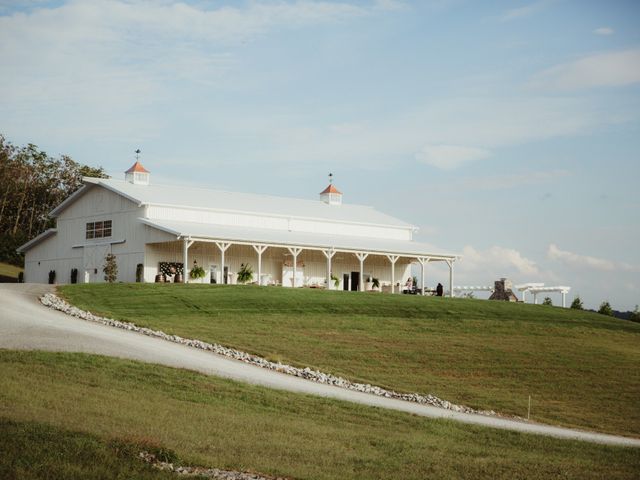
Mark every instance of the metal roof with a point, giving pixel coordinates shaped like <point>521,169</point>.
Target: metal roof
<point>272,237</point>
<point>202,198</point>
<point>35,241</point>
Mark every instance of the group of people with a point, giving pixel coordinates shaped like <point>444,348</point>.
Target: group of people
<point>409,287</point>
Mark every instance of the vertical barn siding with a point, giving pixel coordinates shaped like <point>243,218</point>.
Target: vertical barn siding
<point>98,204</point>
<point>149,246</point>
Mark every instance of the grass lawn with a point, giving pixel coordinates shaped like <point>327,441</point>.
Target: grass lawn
<point>78,405</point>
<point>580,368</point>
<point>7,270</point>
<point>32,450</point>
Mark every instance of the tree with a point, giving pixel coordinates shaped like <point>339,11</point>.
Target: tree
<point>577,304</point>
<point>635,315</point>
<point>33,183</point>
<point>605,309</point>
<point>110,268</point>
<point>547,301</point>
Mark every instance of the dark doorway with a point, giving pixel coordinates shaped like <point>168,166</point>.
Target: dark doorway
<point>345,281</point>
<point>226,276</point>
<point>355,281</point>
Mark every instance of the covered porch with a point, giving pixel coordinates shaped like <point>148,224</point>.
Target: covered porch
<point>291,259</point>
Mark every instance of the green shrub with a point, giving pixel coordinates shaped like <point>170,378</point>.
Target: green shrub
<point>605,309</point>
<point>110,268</point>
<point>577,304</point>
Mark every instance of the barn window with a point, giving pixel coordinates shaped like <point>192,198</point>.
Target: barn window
<point>98,229</point>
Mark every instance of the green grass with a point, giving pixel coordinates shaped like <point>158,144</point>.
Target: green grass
<point>580,368</point>
<point>219,423</point>
<point>7,270</point>
<point>32,450</point>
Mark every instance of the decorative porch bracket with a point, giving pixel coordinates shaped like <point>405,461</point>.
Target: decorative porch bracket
<point>223,246</point>
<point>259,250</point>
<point>329,253</point>
<point>423,261</point>
<point>361,258</point>
<point>393,259</point>
<point>294,251</point>
<point>186,243</point>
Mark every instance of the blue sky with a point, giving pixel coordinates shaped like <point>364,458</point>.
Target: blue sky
<point>506,131</point>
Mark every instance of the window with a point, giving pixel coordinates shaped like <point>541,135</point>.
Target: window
<point>98,229</point>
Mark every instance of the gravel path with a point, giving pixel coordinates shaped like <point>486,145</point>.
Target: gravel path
<point>26,324</point>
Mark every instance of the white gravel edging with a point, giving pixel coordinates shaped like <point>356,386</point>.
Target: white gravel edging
<point>53,301</point>
<point>215,473</point>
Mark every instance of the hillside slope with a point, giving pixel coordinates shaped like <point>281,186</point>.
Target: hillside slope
<point>579,368</point>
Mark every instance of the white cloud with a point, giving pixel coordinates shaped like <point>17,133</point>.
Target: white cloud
<point>604,31</point>
<point>585,261</point>
<point>448,157</point>
<point>523,11</point>
<point>100,66</point>
<point>496,262</point>
<point>506,181</point>
<point>611,69</point>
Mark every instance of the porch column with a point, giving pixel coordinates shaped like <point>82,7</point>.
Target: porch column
<point>564,299</point>
<point>223,246</point>
<point>393,259</point>
<point>423,261</point>
<point>259,250</point>
<point>329,254</point>
<point>450,263</point>
<point>535,298</point>
<point>294,251</point>
<point>524,296</point>
<point>186,243</point>
<point>361,257</point>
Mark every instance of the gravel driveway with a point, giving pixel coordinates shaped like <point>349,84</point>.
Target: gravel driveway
<point>27,325</point>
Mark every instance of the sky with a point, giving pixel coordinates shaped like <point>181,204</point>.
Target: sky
<point>508,132</point>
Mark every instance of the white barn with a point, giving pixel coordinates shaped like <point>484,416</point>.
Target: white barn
<point>287,241</point>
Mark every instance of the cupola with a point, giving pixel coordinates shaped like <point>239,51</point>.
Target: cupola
<point>331,195</point>
<point>137,174</point>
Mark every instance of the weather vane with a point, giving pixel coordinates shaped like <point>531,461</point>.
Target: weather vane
<point>137,152</point>
<point>330,178</point>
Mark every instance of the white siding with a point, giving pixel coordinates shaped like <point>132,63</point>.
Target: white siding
<point>98,204</point>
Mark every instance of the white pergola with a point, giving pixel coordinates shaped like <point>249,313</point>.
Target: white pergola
<point>525,287</point>
<point>466,288</point>
<point>295,250</point>
<point>559,289</point>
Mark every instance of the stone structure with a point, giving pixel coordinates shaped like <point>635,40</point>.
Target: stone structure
<point>503,291</point>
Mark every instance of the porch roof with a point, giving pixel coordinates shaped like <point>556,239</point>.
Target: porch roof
<point>313,241</point>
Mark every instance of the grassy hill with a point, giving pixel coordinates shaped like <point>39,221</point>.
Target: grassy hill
<point>580,368</point>
<point>71,415</point>
<point>9,273</point>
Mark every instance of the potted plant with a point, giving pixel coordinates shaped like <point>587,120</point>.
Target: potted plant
<point>335,280</point>
<point>376,284</point>
<point>197,272</point>
<point>245,274</point>
<point>368,285</point>
<point>139,272</point>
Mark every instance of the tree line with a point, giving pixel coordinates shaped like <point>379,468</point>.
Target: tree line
<point>33,183</point>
